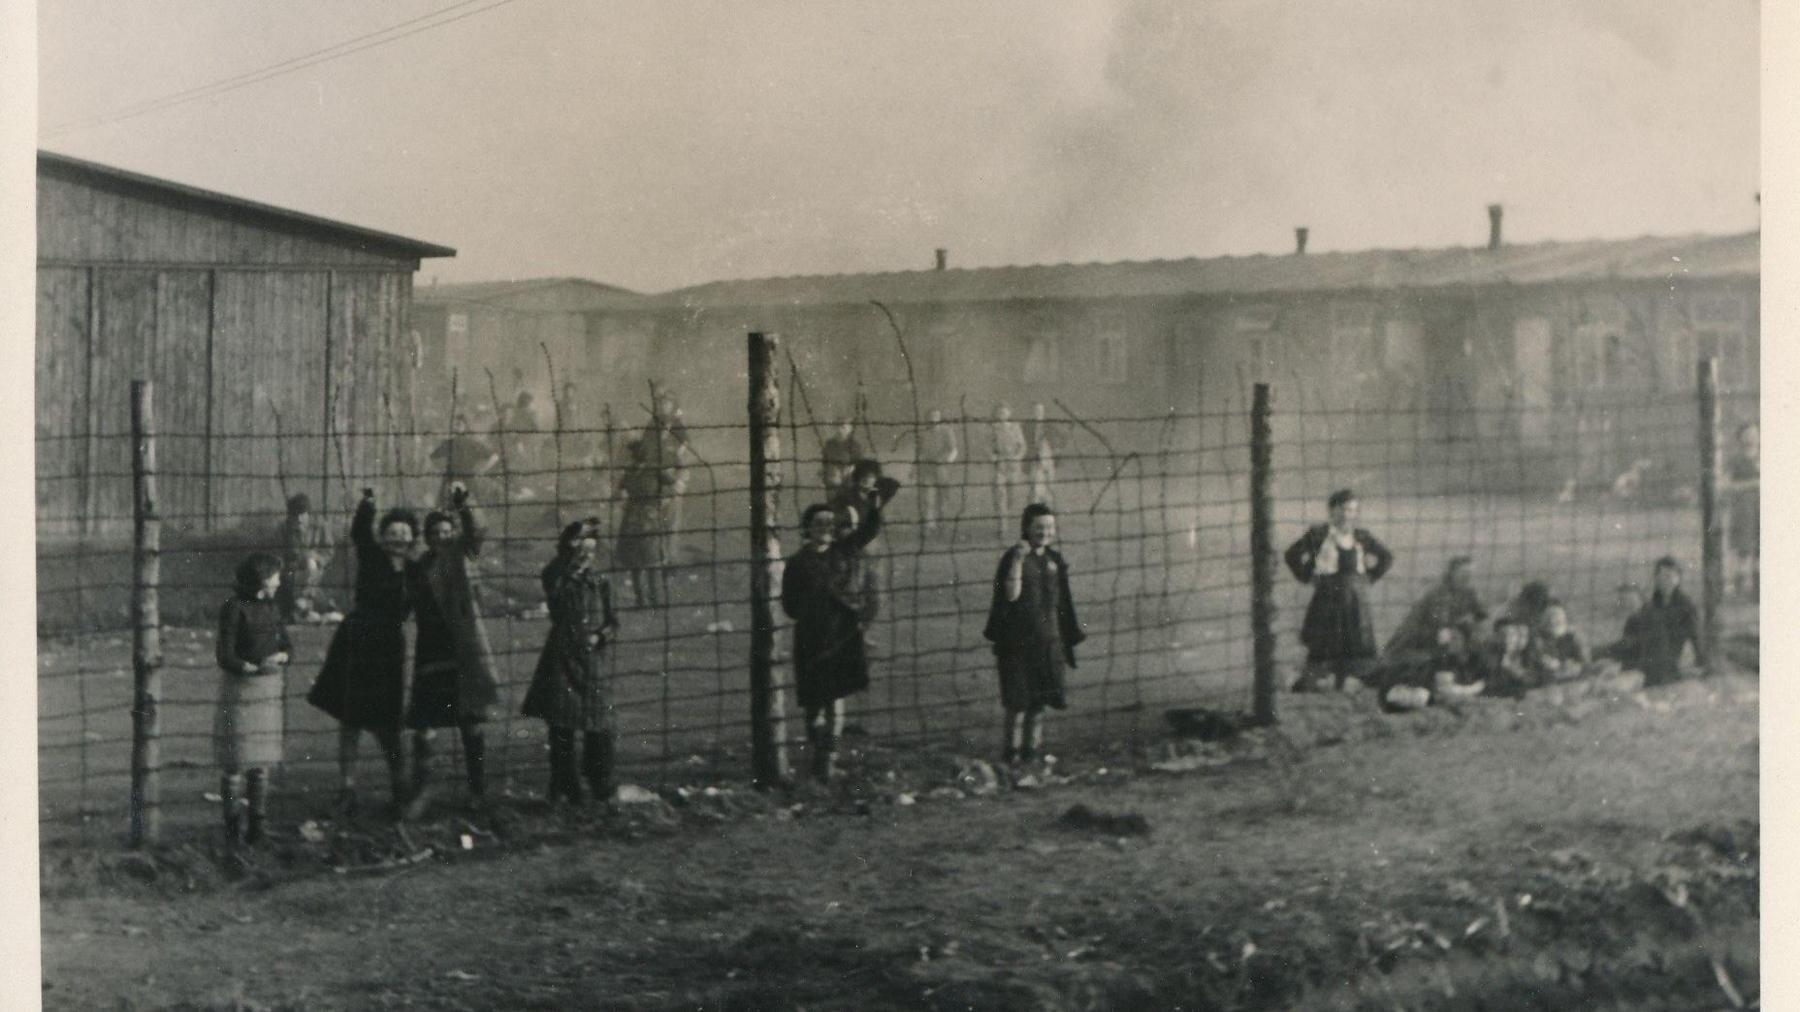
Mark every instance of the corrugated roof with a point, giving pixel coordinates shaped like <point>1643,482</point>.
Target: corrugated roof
<point>1644,258</point>
<point>237,207</point>
<point>590,294</point>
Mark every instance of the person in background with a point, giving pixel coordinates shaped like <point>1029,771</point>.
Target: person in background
<point>941,450</point>
<point>838,455</point>
<point>463,458</point>
<point>253,653</point>
<point>1042,441</point>
<point>1006,447</point>
<point>306,550</point>
<point>1033,627</point>
<point>1744,513</point>
<point>641,546</point>
<point>362,682</point>
<point>828,591</point>
<point>1340,561</point>
<point>569,691</point>
<point>453,666</point>
<point>1527,608</point>
<point>1657,635</point>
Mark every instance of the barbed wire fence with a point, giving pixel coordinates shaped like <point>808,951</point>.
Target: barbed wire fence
<point>1155,519</point>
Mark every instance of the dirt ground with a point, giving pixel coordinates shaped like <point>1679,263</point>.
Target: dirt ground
<point>1505,857</point>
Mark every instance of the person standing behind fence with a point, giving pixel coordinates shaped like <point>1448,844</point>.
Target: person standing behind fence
<point>569,691</point>
<point>305,552</point>
<point>829,592</point>
<point>253,649</point>
<point>642,545</point>
<point>1006,445</point>
<point>453,665</point>
<point>838,455</point>
<point>1340,560</point>
<point>1744,518</point>
<point>940,450</point>
<point>1042,439</point>
<point>362,682</point>
<point>463,458</point>
<point>1032,625</point>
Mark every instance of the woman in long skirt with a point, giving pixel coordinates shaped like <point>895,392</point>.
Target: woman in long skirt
<point>1032,624</point>
<point>454,684</point>
<point>362,683</point>
<point>1340,560</point>
<point>569,691</point>
<point>252,649</point>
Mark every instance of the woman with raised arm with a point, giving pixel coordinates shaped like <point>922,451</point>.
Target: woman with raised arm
<point>363,681</point>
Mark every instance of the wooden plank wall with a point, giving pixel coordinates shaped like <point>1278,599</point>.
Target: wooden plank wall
<point>183,371</point>
<point>62,345</point>
<point>268,360</point>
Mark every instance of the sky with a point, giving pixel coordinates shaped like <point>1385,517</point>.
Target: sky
<point>656,145</point>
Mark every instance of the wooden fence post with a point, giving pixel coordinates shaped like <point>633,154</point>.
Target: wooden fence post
<point>146,620</point>
<point>1262,557</point>
<point>1712,529</point>
<point>768,760</point>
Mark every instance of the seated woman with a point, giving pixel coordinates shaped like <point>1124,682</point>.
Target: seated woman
<point>1452,671</point>
<point>1452,606</point>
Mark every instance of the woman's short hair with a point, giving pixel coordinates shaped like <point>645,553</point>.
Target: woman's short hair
<point>252,571</point>
<point>812,511</point>
<point>399,515</point>
<point>1340,497</point>
<point>1032,512</point>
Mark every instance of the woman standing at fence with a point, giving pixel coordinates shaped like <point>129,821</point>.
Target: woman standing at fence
<point>1033,627</point>
<point>252,648</point>
<point>828,589</point>
<point>1340,560</point>
<point>453,666</point>
<point>568,690</point>
<point>362,682</point>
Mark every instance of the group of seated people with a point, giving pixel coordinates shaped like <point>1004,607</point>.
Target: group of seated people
<point>1446,650</point>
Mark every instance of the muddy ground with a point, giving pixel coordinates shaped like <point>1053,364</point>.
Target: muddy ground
<point>1545,856</point>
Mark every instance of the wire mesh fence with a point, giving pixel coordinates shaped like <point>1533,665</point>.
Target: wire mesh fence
<point>1154,519</point>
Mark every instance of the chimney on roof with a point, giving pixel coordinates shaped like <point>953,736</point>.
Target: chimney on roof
<point>1300,241</point>
<point>943,258</point>
<point>1494,213</point>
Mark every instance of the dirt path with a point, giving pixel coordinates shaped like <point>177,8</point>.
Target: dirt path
<point>1606,863</point>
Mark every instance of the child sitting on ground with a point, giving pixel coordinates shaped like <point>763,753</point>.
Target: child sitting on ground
<point>1510,663</point>
<point>1561,652</point>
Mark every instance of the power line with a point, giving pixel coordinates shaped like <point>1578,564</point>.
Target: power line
<point>336,51</point>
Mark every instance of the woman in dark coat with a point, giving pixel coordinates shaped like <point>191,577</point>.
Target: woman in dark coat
<point>453,666</point>
<point>828,589</point>
<point>1032,624</point>
<point>1340,560</point>
<point>362,682</point>
<point>568,691</point>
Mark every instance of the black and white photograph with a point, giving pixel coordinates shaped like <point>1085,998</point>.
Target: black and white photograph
<point>988,505</point>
